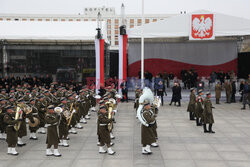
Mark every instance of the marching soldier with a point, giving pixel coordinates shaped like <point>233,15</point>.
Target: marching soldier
<point>63,126</point>
<point>137,96</point>
<point>103,131</point>
<point>199,108</point>
<point>154,111</point>
<point>52,119</point>
<point>208,114</point>
<point>41,106</point>
<point>34,120</point>
<point>72,121</point>
<point>191,104</point>
<point>23,129</point>
<point>218,90</point>
<point>12,134</point>
<point>2,123</point>
<point>147,134</point>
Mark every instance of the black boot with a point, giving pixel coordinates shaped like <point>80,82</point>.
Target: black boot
<point>205,128</point>
<point>210,128</point>
<point>191,116</point>
<point>198,122</point>
<point>244,107</point>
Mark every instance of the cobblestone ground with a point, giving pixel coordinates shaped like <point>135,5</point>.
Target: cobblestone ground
<point>182,144</point>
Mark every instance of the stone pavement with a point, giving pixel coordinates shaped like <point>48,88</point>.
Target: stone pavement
<point>182,144</point>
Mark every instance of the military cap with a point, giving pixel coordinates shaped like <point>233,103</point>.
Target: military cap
<point>192,89</point>
<point>101,102</point>
<point>63,98</point>
<point>2,99</point>
<point>20,100</point>
<point>61,105</point>
<point>46,91</point>
<point>9,107</point>
<point>102,107</point>
<point>208,93</point>
<point>51,107</point>
<point>200,91</point>
<point>10,97</point>
<point>32,99</point>
<point>105,98</point>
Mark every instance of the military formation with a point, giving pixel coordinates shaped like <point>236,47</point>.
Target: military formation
<point>55,110</point>
<point>200,110</point>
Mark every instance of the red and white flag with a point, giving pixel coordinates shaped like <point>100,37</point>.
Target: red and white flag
<point>122,59</point>
<point>202,27</point>
<point>99,54</point>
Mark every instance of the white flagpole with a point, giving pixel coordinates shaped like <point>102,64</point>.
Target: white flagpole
<point>142,46</point>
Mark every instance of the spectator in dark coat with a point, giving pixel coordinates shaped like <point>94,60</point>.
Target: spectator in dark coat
<point>176,96</point>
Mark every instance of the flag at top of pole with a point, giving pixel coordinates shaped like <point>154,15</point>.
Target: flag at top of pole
<point>122,49</point>
<point>99,54</point>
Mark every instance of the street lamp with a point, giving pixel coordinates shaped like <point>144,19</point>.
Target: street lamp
<point>99,34</point>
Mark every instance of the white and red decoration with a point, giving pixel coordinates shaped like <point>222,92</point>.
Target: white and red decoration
<point>122,58</point>
<point>202,27</point>
<point>99,52</point>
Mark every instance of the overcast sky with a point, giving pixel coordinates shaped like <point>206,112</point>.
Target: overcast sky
<point>239,8</point>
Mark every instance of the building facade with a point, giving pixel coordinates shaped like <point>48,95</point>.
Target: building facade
<point>113,20</point>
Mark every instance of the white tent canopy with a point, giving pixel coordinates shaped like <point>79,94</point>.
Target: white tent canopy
<point>66,31</point>
<point>179,26</point>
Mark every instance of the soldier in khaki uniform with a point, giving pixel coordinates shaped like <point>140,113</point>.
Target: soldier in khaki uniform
<point>103,132</point>
<point>2,124</point>
<point>9,119</point>
<point>218,90</point>
<point>137,96</point>
<point>23,129</point>
<point>63,126</point>
<point>208,114</point>
<point>147,134</point>
<point>191,104</point>
<point>52,119</point>
<point>228,89</point>
<point>32,116</point>
<point>199,108</point>
<point>41,106</point>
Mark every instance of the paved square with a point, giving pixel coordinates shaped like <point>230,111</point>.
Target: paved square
<point>182,144</point>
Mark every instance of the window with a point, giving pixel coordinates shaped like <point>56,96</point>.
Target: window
<point>40,19</point>
<point>147,21</point>
<point>132,21</point>
<point>55,19</point>
<point>47,19</point>
<point>154,20</point>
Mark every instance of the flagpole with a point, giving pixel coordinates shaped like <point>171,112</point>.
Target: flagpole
<point>142,46</point>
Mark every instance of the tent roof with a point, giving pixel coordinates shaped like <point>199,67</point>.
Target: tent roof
<point>179,26</point>
<point>49,31</point>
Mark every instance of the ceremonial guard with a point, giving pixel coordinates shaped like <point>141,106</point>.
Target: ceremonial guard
<point>199,108</point>
<point>23,129</point>
<point>63,125</point>
<point>137,96</point>
<point>191,104</point>
<point>11,130</point>
<point>208,114</point>
<point>147,133</point>
<point>218,90</point>
<point>103,131</point>
<point>52,119</point>
<point>42,107</point>
<point>228,89</point>
<point>34,120</point>
<point>2,123</point>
